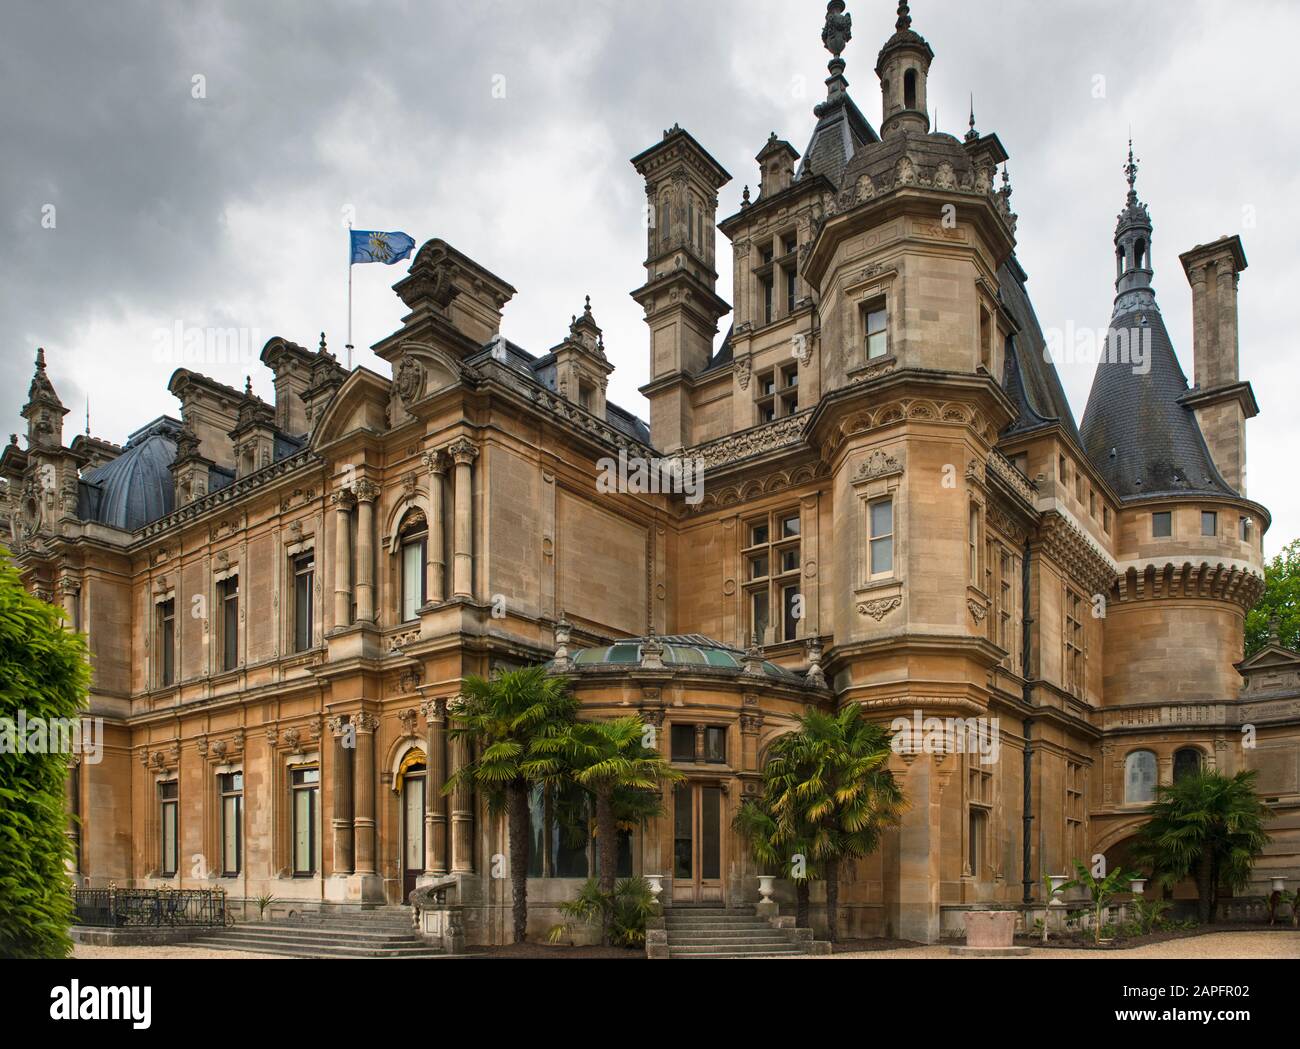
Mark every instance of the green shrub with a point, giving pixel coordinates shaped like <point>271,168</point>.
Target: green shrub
<point>628,909</point>
<point>43,672</point>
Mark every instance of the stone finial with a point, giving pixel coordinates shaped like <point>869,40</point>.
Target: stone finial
<point>1274,632</point>
<point>563,632</point>
<point>652,652</point>
<point>1131,173</point>
<point>972,134</point>
<point>754,659</point>
<point>904,22</point>
<point>816,676</point>
<point>321,348</point>
<point>838,30</point>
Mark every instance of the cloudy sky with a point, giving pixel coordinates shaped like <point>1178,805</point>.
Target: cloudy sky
<point>191,166</point>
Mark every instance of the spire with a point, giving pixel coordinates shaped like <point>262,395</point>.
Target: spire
<point>904,68</point>
<point>1133,272</point>
<point>972,134</point>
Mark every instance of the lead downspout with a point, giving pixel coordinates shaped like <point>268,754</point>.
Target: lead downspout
<point>1028,803</point>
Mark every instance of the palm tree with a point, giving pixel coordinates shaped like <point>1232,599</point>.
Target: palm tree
<point>1102,890</point>
<point>776,849</point>
<point>505,719</point>
<point>839,783</point>
<point>612,760</point>
<point>827,797</point>
<point>1206,826</point>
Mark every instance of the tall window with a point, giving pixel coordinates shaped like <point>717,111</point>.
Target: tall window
<point>875,324</point>
<point>1074,642</point>
<point>973,543</point>
<point>168,826</point>
<point>304,577</point>
<point>305,786</point>
<point>772,572</point>
<point>768,290</point>
<point>1140,778</point>
<point>1209,523</point>
<point>882,538</point>
<point>562,845</point>
<point>415,552</point>
<point>1162,524</point>
<point>167,643</point>
<point>980,802</point>
<point>1005,599</point>
<point>1073,810</point>
<point>1187,762</point>
<point>228,596</point>
<point>230,785</point>
<point>790,289</point>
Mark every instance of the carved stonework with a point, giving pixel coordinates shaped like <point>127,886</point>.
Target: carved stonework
<point>409,380</point>
<point>744,372</point>
<point>879,608</point>
<point>977,610</point>
<point>878,464</point>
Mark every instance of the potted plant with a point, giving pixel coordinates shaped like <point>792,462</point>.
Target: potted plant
<point>1102,891</point>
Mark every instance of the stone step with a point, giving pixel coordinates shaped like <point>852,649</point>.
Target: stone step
<point>340,923</point>
<point>334,939</point>
<point>708,912</point>
<point>716,923</point>
<point>765,951</point>
<point>298,950</point>
<point>728,940</point>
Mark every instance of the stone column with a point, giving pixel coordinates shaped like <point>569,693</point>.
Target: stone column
<point>463,453</point>
<point>69,595</point>
<point>342,788</point>
<point>1228,369</point>
<point>367,493</point>
<point>435,810</point>
<point>363,761</point>
<point>436,564</point>
<point>462,810</point>
<point>343,501</point>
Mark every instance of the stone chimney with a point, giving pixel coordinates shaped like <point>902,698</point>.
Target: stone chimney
<point>1222,402</point>
<point>292,365</point>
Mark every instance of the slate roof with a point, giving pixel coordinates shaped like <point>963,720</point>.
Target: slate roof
<point>1135,430</point>
<point>1030,377</point>
<point>135,488</point>
<point>841,131</point>
<point>542,370</point>
<point>683,650</point>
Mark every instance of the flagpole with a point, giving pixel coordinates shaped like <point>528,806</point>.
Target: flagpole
<point>349,344</point>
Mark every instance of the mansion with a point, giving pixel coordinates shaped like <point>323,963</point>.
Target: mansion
<point>898,510</point>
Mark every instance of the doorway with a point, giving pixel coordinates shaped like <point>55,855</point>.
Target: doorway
<point>697,843</point>
<point>413,804</point>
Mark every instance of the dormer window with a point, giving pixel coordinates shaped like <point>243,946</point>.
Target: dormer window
<point>586,395</point>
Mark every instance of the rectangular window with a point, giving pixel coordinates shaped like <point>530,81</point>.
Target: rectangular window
<point>758,567</point>
<point>1162,524</point>
<point>231,787</point>
<point>790,560</point>
<point>413,576</point>
<point>305,787</point>
<point>1209,523</point>
<point>1005,600</point>
<point>1245,529</point>
<point>790,526</point>
<point>875,329</point>
<point>767,300</point>
<point>168,825</point>
<point>759,615</point>
<point>1105,518</point>
<point>790,290</point>
<point>882,538</point>
<point>1074,642</point>
<point>715,745</point>
<point>228,594</point>
<point>972,541</point>
<point>789,243</point>
<point>167,643</point>
<point>683,742</point>
<point>979,823</point>
<point>791,612</point>
<point>304,576</point>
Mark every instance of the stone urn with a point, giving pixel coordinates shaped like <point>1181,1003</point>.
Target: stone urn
<point>1057,881</point>
<point>1137,885</point>
<point>990,930</point>
<point>766,886</point>
<point>1279,884</point>
<point>656,882</point>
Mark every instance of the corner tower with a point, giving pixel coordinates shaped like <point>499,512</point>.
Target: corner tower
<point>682,306</point>
<point>904,71</point>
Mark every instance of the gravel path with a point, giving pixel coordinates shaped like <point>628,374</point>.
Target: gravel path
<point>1212,945</point>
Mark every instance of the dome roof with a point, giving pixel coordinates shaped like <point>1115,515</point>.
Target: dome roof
<point>693,651</point>
<point>136,487</point>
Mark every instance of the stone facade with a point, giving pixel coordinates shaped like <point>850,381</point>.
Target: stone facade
<point>281,601</point>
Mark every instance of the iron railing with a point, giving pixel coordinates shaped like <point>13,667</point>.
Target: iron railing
<point>151,908</point>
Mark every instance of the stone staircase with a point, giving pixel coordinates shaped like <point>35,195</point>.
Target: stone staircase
<point>383,932</point>
<point>718,932</point>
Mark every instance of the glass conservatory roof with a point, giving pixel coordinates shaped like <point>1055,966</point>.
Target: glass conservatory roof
<point>683,650</point>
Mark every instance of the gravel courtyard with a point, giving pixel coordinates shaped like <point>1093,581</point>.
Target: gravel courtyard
<point>1226,945</point>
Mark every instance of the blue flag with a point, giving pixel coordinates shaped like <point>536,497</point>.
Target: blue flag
<point>372,246</point>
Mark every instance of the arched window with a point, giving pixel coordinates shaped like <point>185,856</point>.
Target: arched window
<point>1187,762</point>
<point>1139,778</point>
<point>414,550</point>
<point>909,89</point>
<point>1119,262</point>
<point>1140,254</point>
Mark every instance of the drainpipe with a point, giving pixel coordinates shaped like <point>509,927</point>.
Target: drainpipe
<point>1027,832</point>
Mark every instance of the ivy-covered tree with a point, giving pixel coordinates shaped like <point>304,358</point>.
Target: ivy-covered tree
<point>43,674</point>
<point>1280,604</point>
